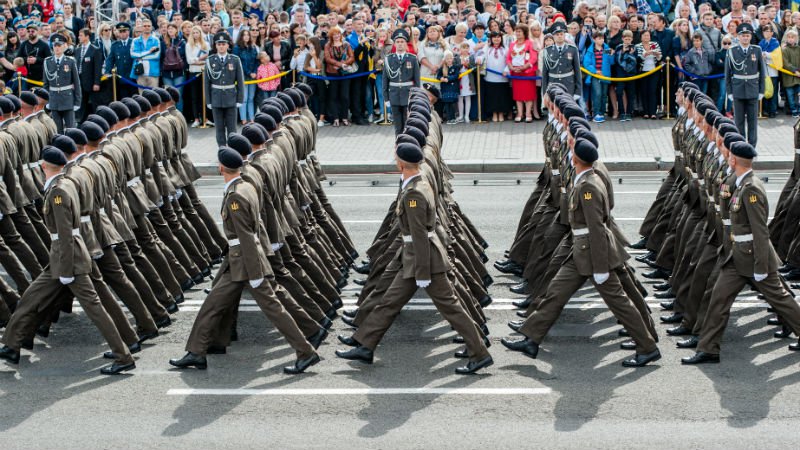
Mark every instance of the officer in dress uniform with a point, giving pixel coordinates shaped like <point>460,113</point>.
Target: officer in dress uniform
<point>120,58</point>
<point>224,87</point>
<point>562,63</point>
<point>400,74</point>
<point>63,83</point>
<point>745,71</point>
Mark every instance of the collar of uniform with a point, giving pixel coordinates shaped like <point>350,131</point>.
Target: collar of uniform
<point>50,180</point>
<point>720,158</point>
<point>80,157</point>
<point>689,122</point>
<point>578,176</point>
<point>697,130</point>
<point>550,117</point>
<point>559,126</point>
<point>230,183</point>
<point>681,110</point>
<point>563,136</point>
<point>710,146</point>
<point>741,177</point>
<point>408,180</point>
<point>277,132</point>
<point>97,150</point>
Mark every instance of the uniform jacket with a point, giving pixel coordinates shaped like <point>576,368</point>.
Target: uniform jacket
<point>62,75</point>
<point>241,220</point>
<point>750,65</point>
<point>565,62</point>
<point>749,210</point>
<point>61,209</point>
<point>120,58</point>
<point>224,82</point>
<point>399,70</point>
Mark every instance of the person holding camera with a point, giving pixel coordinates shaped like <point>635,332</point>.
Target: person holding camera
<point>339,60</point>
<point>363,49</point>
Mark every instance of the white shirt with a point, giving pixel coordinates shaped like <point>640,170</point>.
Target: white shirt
<point>578,177</point>
<point>228,184</point>
<point>408,180</point>
<point>50,180</point>
<point>741,177</point>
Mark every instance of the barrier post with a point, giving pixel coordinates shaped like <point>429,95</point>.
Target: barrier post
<point>761,109</point>
<point>385,115</point>
<point>480,112</point>
<point>19,85</point>
<point>203,90</point>
<point>666,89</point>
<point>114,83</point>
<point>294,77</point>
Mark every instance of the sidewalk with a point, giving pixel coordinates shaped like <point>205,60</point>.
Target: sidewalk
<point>509,147</point>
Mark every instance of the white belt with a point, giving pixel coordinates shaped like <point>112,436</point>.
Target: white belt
<point>401,84</point>
<point>563,190</point>
<point>561,75</point>
<point>233,242</point>
<point>678,154</point>
<point>797,150</point>
<point>717,207</point>
<point>555,172</point>
<point>702,182</point>
<point>86,219</point>
<point>726,222</point>
<point>34,164</point>
<point>75,232</point>
<point>580,231</point>
<point>62,88</point>
<point>743,238</point>
<point>711,200</point>
<point>134,181</point>
<point>746,77</point>
<point>102,211</point>
<point>1,178</point>
<point>694,175</point>
<point>223,86</point>
<point>410,239</point>
<point>302,162</point>
<point>159,164</point>
<point>147,171</point>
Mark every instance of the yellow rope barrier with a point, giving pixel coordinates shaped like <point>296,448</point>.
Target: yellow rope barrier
<point>434,80</point>
<point>635,77</point>
<point>264,80</point>
<point>782,70</point>
<point>33,82</point>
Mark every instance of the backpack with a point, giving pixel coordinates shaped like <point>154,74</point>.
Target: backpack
<point>172,59</point>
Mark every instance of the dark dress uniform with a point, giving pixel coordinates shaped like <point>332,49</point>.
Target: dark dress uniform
<point>400,74</point>
<point>62,81</point>
<point>120,58</point>
<point>745,71</point>
<point>562,65</point>
<point>224,85</point>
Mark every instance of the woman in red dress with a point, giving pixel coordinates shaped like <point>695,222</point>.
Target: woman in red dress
<point>522,59</point>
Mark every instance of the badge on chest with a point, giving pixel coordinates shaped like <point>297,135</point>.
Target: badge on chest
<point>735,204</point>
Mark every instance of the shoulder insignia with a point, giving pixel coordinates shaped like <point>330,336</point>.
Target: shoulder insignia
<point>412,203</point>
<point>57,200</point>
<point>587,195</point>
<point>234,206</point>
<point>753,198</point>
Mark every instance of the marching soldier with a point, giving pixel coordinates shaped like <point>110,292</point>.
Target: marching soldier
<point>562,64</point>
<point>745,71</point>
<point>400,74</point>
<point>224,85</point>
<point>62,81</point>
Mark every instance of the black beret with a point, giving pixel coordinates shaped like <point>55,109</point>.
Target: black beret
<point>554,89</point>
<point>728,128</point>
<point>15,100</point>
<point>434,91</point>
<point>583,133</point>
<point>174,93</point>
<point>418,135</point>
<point>41,93</point>
<point>572,110</point>
<point>92,130</point>
<point>266,121</point>
<point>576,123</point>
<point>730,138</point>
<point>420,111</point>
<point>104,126</point>
<point>262,129</point>
<point>702,106</point>
<point>6,106</point>
<point>239,143</point>
<point>230,158</point>
<point>586,151</point>
<point>743,149</point>
<point>689,85</point>
<point>711,116</point>
<point>305,89</point>
<point>416,115</point>
<point>255,133</point>
<point>65,144</point>
<point>77,135</point>
<point>144,104</point>
<point>297,97</point>
<point>108,114</point>
<point>162,94</point>
<point>151,97</point>
<point>134,109</point>
<point>690,94</point>
<point>274,112</point>
<point>416,123</point>
<point>120,109</point>
<point>287,100</point>
<point>53,156</point>
<point>405,138</point>
<point>29,98</point>
<point>411,153</point>
<point>275,102</point>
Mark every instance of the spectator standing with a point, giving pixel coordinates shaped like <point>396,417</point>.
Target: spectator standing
<point>699,61</point>
<point>280,52</point>
<point>247,52</point>
<point>362,54</point>
<point>791,62</point>
<point>723,105</point>
<point>34,51</point>
<point>768,44</point>
<point>267,69</point>
<point>598,60</point>
<point>173,62</point>
<point>197,50</point>
<point>466,84</point>
<point>222,13</point>
<point>146,53</point>
<point>626,65</point>
<point>449,86</point>
<point>89,61</point>
<point>383,47</point>
<point>314,66</point>
<point>522,62</point>
<point>431,52</point>
<point>681,43</point>
<point>338,63</point>
<point>649,54</point>
<point>497,99</point>
<point>664,37</point>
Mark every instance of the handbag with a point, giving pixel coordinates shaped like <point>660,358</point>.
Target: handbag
<point>138,69</point>
<point>349,69</point>
<point>768,88</point>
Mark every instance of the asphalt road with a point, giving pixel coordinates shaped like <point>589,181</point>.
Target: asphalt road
<point>576,395</point>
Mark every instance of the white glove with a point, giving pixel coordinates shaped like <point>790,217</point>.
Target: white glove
<point>256,283</point>
<point>423,283</point>
<point>760,276</point>
<point>760,97</point>
<point>238,105</point>
<point>600,278</point>
<point>276,247</point>
<point>387,104</point>
<point>178,192</point>
<point>66,280</point>
<point>730,97</point>
<point>47,105</point>
<point>75,108</point>
<point>1,216</point>
<point>576,97</point>
<point>208,106</point>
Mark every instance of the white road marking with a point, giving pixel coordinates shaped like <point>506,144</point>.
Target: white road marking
<point>362,391</point>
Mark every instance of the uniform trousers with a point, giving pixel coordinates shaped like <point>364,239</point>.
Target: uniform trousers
<point>226,293</point>
<point>728,286</point>
<point>224,123</point>
<point>745,113</point>
<point>46,289</point>
<point>566,282</point>
<point>370,333</point>
<point>399,118</point>
<point>63,119</point>
<point>20,248</point>
<point>31,236</point>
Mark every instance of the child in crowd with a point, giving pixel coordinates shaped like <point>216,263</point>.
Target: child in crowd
<point>698,61</point>
<point>597,60</point>
<point>448,75</point>
<point>791,62</point>
<point>466,83</point>
<point>723,105</point>
<point>769,44</point>
<point>266,69</point>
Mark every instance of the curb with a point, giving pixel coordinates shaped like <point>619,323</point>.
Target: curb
<point>494,166</point>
